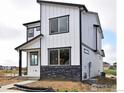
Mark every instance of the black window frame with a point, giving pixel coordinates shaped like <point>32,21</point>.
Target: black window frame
<point>49,49</point>
<point>29,31</point>
<point>32,53</point>
<point>57,25</point>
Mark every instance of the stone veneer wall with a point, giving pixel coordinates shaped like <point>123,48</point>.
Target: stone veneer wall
<point>60,72</point>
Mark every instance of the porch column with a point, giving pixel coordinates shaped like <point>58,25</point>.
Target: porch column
<point>20,62</point>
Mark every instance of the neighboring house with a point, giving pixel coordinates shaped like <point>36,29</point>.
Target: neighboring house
<point>64,44</point>
<point>7,67</point>
<point>1,67</point>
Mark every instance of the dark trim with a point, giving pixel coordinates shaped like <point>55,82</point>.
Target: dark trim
<point>27,62</point>
<point>88,47</point>
<point>103,53</point>
<point>57,24</point>
<point>27,34</point>
<point>59,48</point>
<point>96,39</point>
<point>25,24</point>
<point>80,29</point>
<point>63,3</point>
<point>30,49</point>
<point>20,62</point>
<point>31,53</point>
<point>28,41</point>
<point>58,17</point>
<point>40,40</point>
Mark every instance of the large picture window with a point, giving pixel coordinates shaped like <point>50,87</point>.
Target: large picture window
<point>33,58</point>
<point>59,56</point>
<point>59,25</point>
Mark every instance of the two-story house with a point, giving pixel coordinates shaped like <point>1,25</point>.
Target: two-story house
<point>64,44</point>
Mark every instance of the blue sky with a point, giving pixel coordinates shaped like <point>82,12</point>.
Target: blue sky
<point>109,37</point>
<point>13,13</point>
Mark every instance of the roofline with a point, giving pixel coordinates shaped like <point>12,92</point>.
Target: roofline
<point>63,3</point>
<point>28,41</point>
<point>25,24</point>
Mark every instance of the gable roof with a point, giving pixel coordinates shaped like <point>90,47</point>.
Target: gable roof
<point>29,41</point>
<point>62,3</point>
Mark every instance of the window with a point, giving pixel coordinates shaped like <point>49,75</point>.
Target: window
<point>30,32</point>
<point>38,28</point>
<point>59,25</point>
<point>59,56</point>
<point>33,58</point>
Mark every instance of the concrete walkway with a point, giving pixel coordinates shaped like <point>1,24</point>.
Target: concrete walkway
<point>6,87</point>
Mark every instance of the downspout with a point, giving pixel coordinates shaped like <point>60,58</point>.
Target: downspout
<point>40,41</point>
<point>80,29</point>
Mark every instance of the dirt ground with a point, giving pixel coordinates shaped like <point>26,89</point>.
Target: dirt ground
<point>59,85</point>
<point>4,80</point>
<point>73,86</point>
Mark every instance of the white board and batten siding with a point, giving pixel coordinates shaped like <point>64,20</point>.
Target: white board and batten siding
<point>70,39</point>
<point>89,38</point>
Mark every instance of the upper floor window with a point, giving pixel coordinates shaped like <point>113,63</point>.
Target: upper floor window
<point>30,32</point>
<point>59,25</point>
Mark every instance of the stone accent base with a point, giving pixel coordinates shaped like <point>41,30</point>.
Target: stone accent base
<point>60,72</point>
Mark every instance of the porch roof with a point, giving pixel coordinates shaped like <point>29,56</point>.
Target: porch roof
<point>39,36</point>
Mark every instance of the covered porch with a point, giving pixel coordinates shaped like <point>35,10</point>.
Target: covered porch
<point>33,58</point>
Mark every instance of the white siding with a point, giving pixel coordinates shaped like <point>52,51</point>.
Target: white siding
<point>70,39</point>
<point>89,38</point>
<point>96,63</point>
<point>88,31</point>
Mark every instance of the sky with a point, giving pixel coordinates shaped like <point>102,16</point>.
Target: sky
<point>13,13</point>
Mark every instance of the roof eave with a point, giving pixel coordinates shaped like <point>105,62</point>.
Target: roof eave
<point>25,24</point>
<point>63,3</point>
<point>17,48</point>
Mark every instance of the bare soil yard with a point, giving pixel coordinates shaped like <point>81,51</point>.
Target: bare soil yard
<point>74,86</point>
<point>4,80</point>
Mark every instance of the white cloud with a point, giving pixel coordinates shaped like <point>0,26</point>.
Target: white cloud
<point>110,53</point>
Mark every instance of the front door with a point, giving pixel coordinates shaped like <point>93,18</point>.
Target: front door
<point>34,64</point>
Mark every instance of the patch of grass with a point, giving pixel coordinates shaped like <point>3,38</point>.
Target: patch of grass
<point>110,71</point>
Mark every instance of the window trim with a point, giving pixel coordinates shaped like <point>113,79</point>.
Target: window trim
<point>59,48</point>
<point>29,31</point>
<point>57,26</point>
<point>31,53</point>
